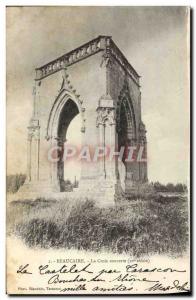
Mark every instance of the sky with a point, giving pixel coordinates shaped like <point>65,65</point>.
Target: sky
<point>153,39</point>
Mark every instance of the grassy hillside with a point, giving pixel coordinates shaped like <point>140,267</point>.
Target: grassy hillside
<point>137,227</point>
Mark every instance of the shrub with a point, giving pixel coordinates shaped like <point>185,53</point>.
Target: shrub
<point>136,227</point>
<point>170,187</point>
<point>14,182</point>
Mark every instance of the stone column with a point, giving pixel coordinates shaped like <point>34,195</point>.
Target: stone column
<point>33,150</point>
<point>29,139</point>
<point>106,125</point>
<point>55,180</point>
<point>143,159</point>
<point>101,143</point>
<point>37,146</point>
<point>131,164</point>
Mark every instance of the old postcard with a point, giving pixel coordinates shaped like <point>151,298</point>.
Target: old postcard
<point>98,150</point>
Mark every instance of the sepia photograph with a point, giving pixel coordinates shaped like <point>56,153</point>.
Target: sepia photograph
<point>98,150</point>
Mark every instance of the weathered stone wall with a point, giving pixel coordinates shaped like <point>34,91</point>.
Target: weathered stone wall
<point>85,81</point>
<point>117,79</point>
<point>89,80</point>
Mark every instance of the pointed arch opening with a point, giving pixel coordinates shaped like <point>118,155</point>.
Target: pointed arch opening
<point>126,135</point>
<point>64,127</point>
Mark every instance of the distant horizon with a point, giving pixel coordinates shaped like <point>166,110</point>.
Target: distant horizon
<point>78,179</point>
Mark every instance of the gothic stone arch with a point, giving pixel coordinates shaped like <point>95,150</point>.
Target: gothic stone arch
<point>64,109</point>
<point>96,81</point>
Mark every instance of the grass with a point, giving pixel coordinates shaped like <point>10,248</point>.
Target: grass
<point>140,227</point>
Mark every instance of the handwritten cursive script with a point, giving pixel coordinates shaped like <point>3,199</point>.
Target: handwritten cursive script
<point>132,277</point>
<point>23,269</point>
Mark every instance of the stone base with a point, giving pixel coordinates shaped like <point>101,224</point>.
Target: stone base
<point>101,191</point>
<point>34,190</point>
<point>104,192</point>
